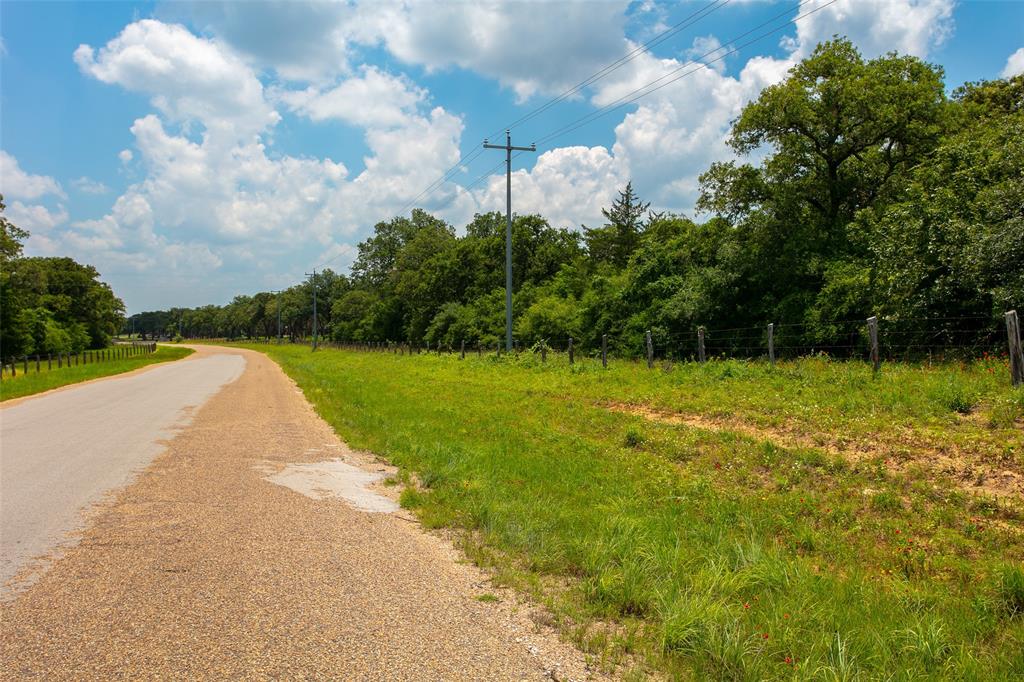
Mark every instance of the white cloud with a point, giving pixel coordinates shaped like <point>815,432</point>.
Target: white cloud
<point>89,186</point>
<point>125,155</point>
<point>374,99</point>
<point>677,132</point>
<point>568,186</point>
<point>878,26</point>
<point>1014,64</point>
<point>35,218</point>
<point>17,184</point>
<point>528,46</point>
<point>223,204</point>
<point>707,49</point>
<point>188,78</point>
<point>300,41</point>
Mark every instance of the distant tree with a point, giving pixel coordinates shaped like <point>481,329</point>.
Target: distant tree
<point>615,241</point>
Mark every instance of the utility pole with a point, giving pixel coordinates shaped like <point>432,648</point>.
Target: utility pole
<point>277,294</point>
<point>508,227</point>
<point>314,306</point>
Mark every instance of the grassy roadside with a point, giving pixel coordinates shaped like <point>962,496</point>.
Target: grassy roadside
<point>31,383</point>
<point>710,552</point>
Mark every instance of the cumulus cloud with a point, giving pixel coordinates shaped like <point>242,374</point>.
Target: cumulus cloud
<point>17,184</point>
<point>224,200</point>
<point>568,186</point>
<point>1014,64</point>
<point>125,155</point>
<point>187,77</point>
<point>373,99</point>
<point>878,26</point>
<point>36,218</point>
<point>564,41</point>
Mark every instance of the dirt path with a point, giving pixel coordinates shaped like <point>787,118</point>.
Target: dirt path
<point>204,568</point>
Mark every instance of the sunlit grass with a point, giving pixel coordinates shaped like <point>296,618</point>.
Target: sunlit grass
<point>28,384</point>
<point>709,553</point>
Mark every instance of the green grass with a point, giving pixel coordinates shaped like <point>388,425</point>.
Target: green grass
<point>31,383</point>
<point>707,553</point>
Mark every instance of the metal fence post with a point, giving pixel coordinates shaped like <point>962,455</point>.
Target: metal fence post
<point>771,343</point>
<point>604,351</point>
<point>650,350</point>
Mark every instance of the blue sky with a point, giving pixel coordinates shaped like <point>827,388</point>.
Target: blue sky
<point>194,151</point>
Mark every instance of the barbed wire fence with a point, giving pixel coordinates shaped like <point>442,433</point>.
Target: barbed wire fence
<point>876,340</point>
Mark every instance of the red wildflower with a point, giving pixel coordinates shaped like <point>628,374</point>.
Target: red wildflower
<point>746,605</point>
<point>765,635</point>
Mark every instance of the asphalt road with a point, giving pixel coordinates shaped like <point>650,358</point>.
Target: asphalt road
<point>62,451</point>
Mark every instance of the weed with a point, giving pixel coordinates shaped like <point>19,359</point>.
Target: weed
<point>634,437</point>
<point>487,598</point>
<point>1010,590</point>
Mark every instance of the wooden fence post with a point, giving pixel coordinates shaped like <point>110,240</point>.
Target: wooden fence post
<point>37,363</point>
<point>876,361</point>
<point>650,350</point>
<point>771,343</point>
<point>700,344</point>
<point>25,365</point>
<point>604,351</point>
<point>49,361</point>
<point>543,350</point>
<point>462,350</point>
<point>571,358</point>
<point>1016,353</point>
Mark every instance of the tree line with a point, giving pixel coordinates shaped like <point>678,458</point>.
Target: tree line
<point>872,192</point>
<point>51,305</point>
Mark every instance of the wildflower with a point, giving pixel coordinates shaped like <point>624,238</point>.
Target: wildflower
<point>746,605</point>
<point>789,661</point>
<point>785,615</point>
<point>765,635</point>
<point>897,531</point>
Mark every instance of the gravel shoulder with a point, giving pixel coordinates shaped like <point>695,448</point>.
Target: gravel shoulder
<point>203,568</point>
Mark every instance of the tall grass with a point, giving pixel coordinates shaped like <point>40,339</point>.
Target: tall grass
<point>707,553</point>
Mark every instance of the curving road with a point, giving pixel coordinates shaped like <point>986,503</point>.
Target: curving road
<point>63,451</point>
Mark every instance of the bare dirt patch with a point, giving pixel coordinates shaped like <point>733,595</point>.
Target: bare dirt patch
<point>970,473</point>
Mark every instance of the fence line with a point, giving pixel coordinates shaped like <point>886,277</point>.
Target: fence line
<point>9,367</point>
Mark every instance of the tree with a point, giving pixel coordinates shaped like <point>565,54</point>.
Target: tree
<point>843,135</point>
<point>615,241</point>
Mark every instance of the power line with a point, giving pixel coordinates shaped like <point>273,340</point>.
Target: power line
<point>629,98</point>
<point>686,22</point>
<point>626,99</point>
<point>673,30</point>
